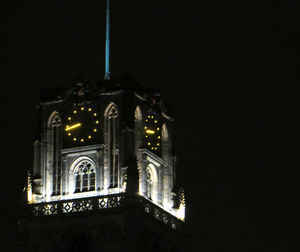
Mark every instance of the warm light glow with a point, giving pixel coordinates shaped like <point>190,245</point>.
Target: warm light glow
<point>97,122</point>
<point>158,137</point>
<point>155,148</point>
<point>157,128</point>
<point>69,134</point>
<point>95,114</point>
<point>158,144</point>
<point>72,127</point>
<point>82,108</point>
<point>81,140</point>
<point>148,116</point>
<point>69,118</point>
<point>155,121</point>
<point>145,127</point>
<point>150,131</point>
<point>148,143</point>
<point>75,111</point>
<point>146,135</point>
<point>90,137</point>
<point>181,212</point>
<point>90,109</point>
<point>95,130</point>
<point>151,116</point>
<point>74,139</point>
<point>151,148</point>
<point>146,120</point>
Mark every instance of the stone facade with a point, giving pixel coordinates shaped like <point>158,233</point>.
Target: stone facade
<point>104,174</point>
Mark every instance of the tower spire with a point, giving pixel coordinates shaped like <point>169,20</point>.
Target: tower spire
<point>107,73</point>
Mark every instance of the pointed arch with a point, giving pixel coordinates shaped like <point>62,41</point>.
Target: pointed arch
<point>111,115</point>
<point>138,131</point>
<point>165,143</point>
<point>165,133</point>
<point>151,182</point>
<point>168,174</point>
<point>82,175</point>
<point>54,140</point>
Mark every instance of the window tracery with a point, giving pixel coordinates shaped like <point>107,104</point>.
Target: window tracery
<point>113,146</point>
<point>85,176</point>
<point>148,183</point>
<point>151,183</point>
<point>56,141</point>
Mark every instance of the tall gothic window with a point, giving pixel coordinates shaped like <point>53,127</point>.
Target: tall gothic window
<point>151,183</point>
<point>85,176</point>
<point>138,129</point>
<point>56,137</point>
<point>148,183</point>
<point>113,146</point>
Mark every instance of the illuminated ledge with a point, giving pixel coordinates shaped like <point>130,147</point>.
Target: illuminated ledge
<point>153,158</point>
<point>83,148</point>
<point>140,97</point>
<point>96,204</point>
<point>167,116</point>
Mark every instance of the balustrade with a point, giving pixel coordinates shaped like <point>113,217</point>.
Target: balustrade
<point>104,202</point>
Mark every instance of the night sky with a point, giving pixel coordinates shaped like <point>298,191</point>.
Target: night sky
<point>227,68</point>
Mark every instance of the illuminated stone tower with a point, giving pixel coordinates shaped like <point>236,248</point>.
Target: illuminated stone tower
<point>104,175</point>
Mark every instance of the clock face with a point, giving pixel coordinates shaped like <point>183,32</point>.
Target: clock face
<point>153,134</point>
<point>82,124</point>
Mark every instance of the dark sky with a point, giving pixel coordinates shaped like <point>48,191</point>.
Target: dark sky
<point>228,69</point>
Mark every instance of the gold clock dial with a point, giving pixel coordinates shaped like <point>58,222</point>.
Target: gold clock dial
<point>82,124</point>
<point>153,134</point>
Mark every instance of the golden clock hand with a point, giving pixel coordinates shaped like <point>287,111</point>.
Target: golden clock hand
<point>73,126</point>
<point>150,131</point>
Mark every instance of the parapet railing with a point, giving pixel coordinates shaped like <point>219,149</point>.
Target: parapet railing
<point>104,202</point>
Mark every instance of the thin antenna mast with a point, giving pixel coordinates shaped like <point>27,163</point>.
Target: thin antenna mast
<point>107,73</point>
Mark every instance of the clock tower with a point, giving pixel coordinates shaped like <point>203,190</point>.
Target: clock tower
<point>104,174</point>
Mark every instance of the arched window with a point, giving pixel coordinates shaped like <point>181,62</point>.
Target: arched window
<point>138,128</point>
<point>113,145</point>
<point>55,146</point>
<point>151,183</point>
<point>85,176</point>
